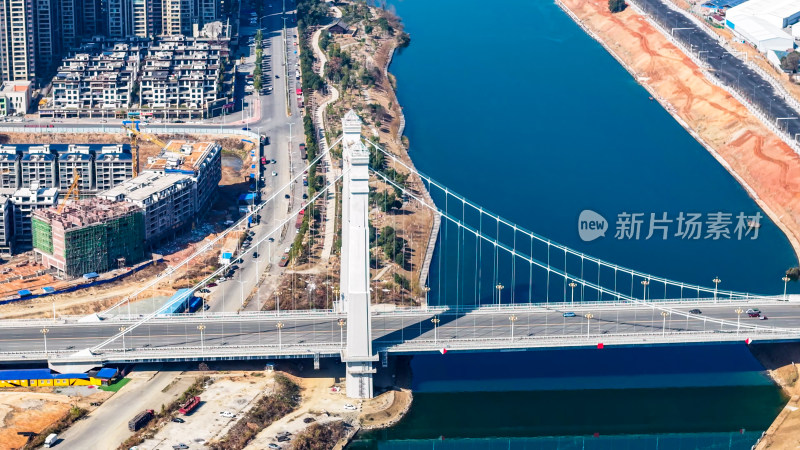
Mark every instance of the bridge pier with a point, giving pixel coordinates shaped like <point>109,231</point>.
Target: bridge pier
<point>354,277</point>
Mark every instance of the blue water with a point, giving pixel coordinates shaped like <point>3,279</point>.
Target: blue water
<point>516,108</point>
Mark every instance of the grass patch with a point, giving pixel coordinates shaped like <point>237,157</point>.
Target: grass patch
<point>116,386</point>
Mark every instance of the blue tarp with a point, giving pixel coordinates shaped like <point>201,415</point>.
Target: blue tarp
<point>90,275</point>
<point>245,140</point>
<point>24,292</point>
<point>178,302</point>
<point>107,373</point>
<point>48,289</point>
<point>246,197</point>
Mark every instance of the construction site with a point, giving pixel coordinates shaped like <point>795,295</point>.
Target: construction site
<point>90,235</point>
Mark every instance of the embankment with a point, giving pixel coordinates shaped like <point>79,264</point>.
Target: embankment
<point>780,361</point>
<point>763,164</point>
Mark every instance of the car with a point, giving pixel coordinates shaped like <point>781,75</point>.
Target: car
<point>227,414</point>
<point>274,173</point>
<point>255,254</point>
<point>569,314</point>
<point>309,420</point>
<point>245,129</point>
<point>234,267</point>
<point>695,311</point>
<point>180,446</point>
<point>273,161</point>
<point>287,196</point>
<point>276,76</point>
<point>220,280</point>
<point>754,314</point>
<point>350,407</point>
<point>753,310</point>
<point>273,446</point>
<point>272,239</point>
<point>178,420</point>
<point>283,438</point>
<point>762,318</point>
<point>305,196</point>
<point>211,284</point>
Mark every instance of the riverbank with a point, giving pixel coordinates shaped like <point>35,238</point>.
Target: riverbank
<point>779,360</point>
<point>763,164</point>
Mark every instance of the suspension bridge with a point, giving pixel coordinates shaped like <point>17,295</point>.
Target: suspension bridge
<point>493,286</point>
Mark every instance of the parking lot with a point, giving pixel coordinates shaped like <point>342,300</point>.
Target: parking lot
<point>233,393</point>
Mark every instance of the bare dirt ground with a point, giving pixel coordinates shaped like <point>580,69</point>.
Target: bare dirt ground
<point>24,410</point>
<point>760,160</point>
<point>385,409</point>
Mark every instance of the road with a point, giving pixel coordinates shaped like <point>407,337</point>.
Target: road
<point>107,426</point>
<point>304,330</point>
<point>727,68</point>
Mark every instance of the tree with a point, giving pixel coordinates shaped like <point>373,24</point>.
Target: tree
<point>257,84</point>
<point>790,62</point>
<point>616,6</point>
<point>793,273</point>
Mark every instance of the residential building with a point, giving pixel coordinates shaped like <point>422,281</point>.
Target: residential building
<point>25,201</point>
<point>91,235</point>
<point>180,76</point>
<point>6,226</point>
<point>15,97</point>
<point>113,165</point>
<point>76,161</point>
<point>202,161</point>
<point>17,40</point>
<point>47,26</point>
<point>147,18</point>
<point>9,167</point>
<point>96,80</point>
<point>119,18</point>
<point>166,201</point>
<point>38,167</point>
<point>179,17</point>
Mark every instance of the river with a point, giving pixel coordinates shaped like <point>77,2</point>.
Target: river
<point>514,107</point>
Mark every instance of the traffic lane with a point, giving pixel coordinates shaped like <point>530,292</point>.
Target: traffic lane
<point>731,71</point>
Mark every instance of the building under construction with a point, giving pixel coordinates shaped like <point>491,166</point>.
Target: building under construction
<point>91,235</point>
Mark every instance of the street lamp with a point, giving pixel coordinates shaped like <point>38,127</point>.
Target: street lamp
<point>277,302</point>
<point>572,284</point>
<point>644,289</point>
<point>588,318</point>
<point>44,332</point>
<point>426,289</point>
<point>122,330</point>
<point>341,323</point>
<point>279,326</point>
<point>435,321</point>
<point>201,327</point>
<point>738,312</point>
<point>785,281</point>
<point>337,303</point>
<point>716,282</point>
<point>512,318</point>
<point>664,315</point>
<point>499,288</point>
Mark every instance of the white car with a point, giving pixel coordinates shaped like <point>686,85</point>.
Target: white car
<point>274,174</point>
<point>227,414</point>
<point>350,407</point>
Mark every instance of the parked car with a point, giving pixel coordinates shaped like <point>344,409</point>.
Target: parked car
<point>274,446</point>
<point>569,314</point>
<point>211,284</point>
<point>695,311</point>
<point>350,407</point>
<point>178,420</point>
<point>227,414</point>
<point>180,446</point>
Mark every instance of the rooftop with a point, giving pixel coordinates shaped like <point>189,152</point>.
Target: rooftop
<point>775,8</point>
<point>144,186</point>
<point>181,156</point>
<point>85,212</point>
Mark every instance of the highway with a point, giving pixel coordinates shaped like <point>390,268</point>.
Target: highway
<point>730,70</point>
<point>307,332</point>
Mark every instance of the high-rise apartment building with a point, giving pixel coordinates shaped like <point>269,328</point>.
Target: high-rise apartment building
<point>48,33</point>
<point>17,40</point>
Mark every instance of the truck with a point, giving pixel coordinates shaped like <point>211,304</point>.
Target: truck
<point>299,222</point>
<point>51,440</point>
<point>190,405</point>
<point>284,261</point>
<point>303,153</point>
<point>140,420</point>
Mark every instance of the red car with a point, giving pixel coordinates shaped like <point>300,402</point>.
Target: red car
<point>211,284</point>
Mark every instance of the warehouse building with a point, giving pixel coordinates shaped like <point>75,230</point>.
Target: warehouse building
<point>91,235</point>
<point>762,23</point>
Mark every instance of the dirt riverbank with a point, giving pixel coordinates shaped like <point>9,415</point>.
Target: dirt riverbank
<point>759,160</point>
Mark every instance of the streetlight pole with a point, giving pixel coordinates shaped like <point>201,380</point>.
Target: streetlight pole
<point>512,318</point>
<point>572,284</point>
<point>664,315</point>
<point>341,323</point>
<point>716,282</point>
<point>277,303</point>
<point>588,319</point>
<point>499,288</point>
<point>738,312</point>
<point>644,289</point>
<point>785,281</point>
<point>279,326</point>
<point>122,330</point>
<point>426,289</point>
<point>435,321</point>
<point>44,332</point>
<point>201,327</point>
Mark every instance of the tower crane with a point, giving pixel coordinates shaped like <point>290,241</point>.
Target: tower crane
<point>132,127</point>
<point>73,192</point>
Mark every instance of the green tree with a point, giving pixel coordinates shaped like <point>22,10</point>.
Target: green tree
<point>257,84</point>
<point>790,62</point>
<point>616,6</point>
<point>793,273</point>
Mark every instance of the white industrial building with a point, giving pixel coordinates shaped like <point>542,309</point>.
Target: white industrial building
<point>762,23</point>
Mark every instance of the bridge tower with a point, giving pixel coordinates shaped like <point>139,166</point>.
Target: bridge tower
<point>354,296</point>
